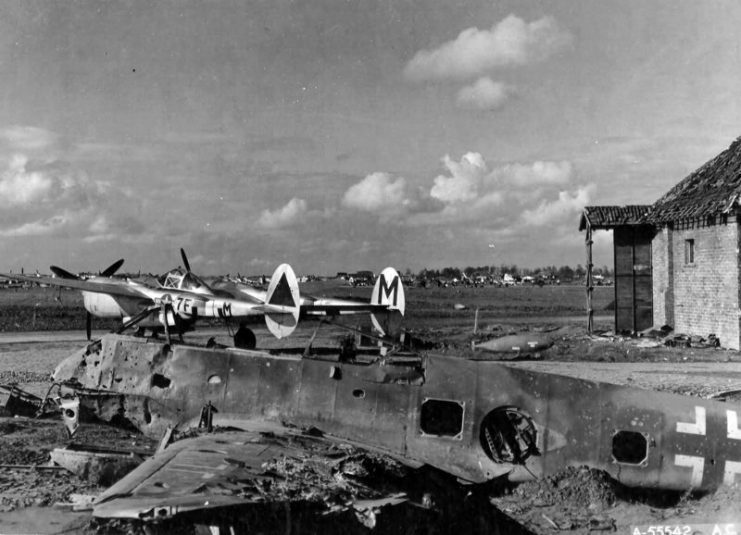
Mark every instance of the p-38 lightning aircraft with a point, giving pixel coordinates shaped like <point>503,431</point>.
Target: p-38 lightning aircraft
<point>180,298</point>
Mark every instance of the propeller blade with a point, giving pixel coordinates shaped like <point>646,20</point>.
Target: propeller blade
<point>62,273</point>
<point>89,325</point>
<point>185,260</point>
<point>110,270</point>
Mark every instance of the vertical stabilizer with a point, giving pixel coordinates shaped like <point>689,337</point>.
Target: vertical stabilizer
<point>283,292</point>
<point>389,292</point>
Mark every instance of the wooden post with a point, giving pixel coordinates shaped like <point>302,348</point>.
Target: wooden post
<point>590,286</point>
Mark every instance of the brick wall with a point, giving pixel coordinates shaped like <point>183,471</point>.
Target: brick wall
<point>663,279</point>
<point>706,291</point>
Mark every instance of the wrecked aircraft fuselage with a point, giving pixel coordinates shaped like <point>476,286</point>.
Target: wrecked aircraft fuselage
<point>476,420</point>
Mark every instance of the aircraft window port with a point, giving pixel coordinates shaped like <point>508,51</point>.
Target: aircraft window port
<point>630,447</point>
<point>358,393</point>
<point>442,418</point>
<point>160,381</point>
<point>508,435</point>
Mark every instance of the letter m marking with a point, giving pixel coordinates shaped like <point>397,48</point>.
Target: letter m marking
<point>385,290</point>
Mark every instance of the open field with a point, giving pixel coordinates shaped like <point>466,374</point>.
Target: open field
<point>578,501</point>
<point>42,309</point>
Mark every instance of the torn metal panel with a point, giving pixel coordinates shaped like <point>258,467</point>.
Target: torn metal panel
<point>474,420</point>
<point>18,402</point>
<point>70,408</point>
<point>239,468</point>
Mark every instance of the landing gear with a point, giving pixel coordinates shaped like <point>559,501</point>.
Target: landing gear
<point>244,338</point>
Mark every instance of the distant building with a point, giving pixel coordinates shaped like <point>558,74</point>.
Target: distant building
<point>677,261</point>
<point>362,278</point>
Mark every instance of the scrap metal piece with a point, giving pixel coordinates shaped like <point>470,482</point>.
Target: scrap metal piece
<point>70,414</point>
<point>18,402</point>
<point>207,417</point>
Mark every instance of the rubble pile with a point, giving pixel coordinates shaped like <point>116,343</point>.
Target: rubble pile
<point>23,486</point>
<point>335,484</point>
<point>580,487</point>
<point>574,498</point>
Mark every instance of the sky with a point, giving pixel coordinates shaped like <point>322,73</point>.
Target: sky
<point>338,135</point>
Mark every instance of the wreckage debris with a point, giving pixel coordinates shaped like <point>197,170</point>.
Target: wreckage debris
<point>460,418</point>
<point>99,466</point>
<point>517,344</point>
<point>323,486</point>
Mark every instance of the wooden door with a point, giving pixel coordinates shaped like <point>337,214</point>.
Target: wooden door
<point>633,278</point>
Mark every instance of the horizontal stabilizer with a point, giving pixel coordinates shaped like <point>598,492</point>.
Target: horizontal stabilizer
<point>283,298</point>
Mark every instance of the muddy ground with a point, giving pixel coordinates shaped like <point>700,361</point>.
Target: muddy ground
<point>577,500</point>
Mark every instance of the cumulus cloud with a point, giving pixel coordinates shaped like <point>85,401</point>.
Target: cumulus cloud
<point>510,42</point>
<point>387,196</point>
<point>286,216</point>
<point>28,189</point>
<point>41,195</point>
<point>470,194</point>
<point>377,192</point>
<point>567,206</point>
<point>18,186</point>
<point>470,180</point>
<point>484,94</point>
<point>464,181</point>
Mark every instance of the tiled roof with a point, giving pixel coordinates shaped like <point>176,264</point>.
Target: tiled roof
<point>613,216</point>
<point>713,189</point>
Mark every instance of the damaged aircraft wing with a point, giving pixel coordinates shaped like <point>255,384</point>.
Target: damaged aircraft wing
<point>249,467</point>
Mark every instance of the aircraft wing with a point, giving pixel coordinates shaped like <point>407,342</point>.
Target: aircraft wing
<point>251,467</point>
<point>97,286</point>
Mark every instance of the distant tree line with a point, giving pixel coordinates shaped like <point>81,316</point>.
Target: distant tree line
<point>563,273</point>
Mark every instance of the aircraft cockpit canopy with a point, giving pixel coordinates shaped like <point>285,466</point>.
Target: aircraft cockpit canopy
<point>178,279</point>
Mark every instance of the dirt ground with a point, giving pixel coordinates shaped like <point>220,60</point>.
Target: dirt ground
<point>577,500</point>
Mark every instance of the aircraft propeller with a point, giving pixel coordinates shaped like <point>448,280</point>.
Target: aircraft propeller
<point>185,260</point>
<point>107,272</point>
<point>111,270</point>
<point>63,273</point>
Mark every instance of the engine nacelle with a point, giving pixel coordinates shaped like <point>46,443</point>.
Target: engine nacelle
<point>102,305</point>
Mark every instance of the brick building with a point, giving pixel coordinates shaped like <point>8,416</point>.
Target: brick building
<point>677,261</point>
